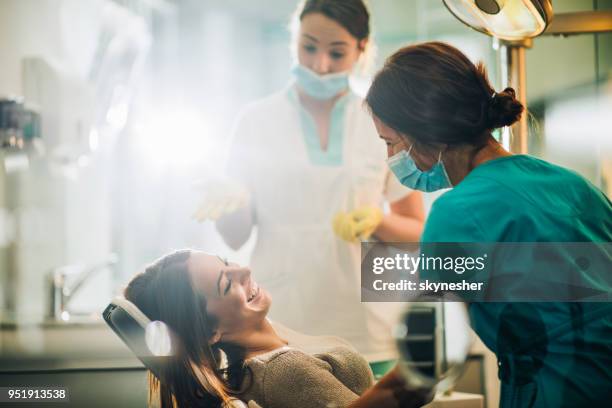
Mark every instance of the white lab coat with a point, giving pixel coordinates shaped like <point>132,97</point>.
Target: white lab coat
<point>312,275</point>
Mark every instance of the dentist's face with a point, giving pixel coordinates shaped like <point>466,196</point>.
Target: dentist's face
<point>424,157</point>
<point>325,46</point>
<point>392,138</point>
<point>232,296</point>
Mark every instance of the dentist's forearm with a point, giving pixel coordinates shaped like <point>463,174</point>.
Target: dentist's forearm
<point>399,228</point>
<point>391,392</point>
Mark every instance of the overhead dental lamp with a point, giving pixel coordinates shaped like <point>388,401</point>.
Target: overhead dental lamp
<point>514,24</point>
<point>509,20</point>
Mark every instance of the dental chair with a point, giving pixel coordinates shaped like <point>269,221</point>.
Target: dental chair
<point>129,323</point>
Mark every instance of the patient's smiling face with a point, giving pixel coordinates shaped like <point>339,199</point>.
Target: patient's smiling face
<point>232,296</point>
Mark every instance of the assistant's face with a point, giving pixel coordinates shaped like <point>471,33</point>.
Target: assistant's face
<point>325,46</point>
<point>232,296</point>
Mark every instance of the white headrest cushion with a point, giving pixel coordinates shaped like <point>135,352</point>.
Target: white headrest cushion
<point>132,309</point>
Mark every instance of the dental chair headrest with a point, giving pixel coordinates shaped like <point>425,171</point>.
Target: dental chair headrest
<point>130,324</point>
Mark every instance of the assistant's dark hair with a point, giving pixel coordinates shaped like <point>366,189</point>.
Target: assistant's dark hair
<point>353,15</point>
<point>192,377</point>
<point>434,93</point>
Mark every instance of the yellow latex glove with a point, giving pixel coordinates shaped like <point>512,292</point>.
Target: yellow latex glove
<point>344,227</point>
<point>368,218</point>
<point>358,224</point>
<point>220,196</point>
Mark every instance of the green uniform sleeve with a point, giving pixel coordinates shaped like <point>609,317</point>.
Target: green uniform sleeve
<point>449,221</point>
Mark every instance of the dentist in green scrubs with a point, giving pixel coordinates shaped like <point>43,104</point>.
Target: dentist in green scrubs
<point>436,110</point>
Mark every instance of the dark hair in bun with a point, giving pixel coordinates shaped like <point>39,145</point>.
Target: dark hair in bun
<point>434,93</point>
<point>504,109</point>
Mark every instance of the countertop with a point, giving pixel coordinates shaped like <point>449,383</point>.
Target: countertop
<point>86,344</point>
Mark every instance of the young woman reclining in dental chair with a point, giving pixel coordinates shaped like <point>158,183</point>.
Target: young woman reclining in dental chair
<point>212,306</point>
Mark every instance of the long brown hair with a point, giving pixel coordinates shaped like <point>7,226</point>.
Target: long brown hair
<point>193,375</point>
<point>434,93</point>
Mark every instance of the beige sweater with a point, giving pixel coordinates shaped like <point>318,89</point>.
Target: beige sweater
<point>310,372</point>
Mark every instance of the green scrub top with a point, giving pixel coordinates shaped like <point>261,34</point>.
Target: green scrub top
<point>523,199</point>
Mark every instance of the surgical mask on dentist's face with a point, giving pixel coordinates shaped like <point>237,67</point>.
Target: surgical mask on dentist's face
<point>320,86</point>
<point>407,172</point>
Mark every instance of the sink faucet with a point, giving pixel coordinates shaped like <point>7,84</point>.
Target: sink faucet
<point>61,294</point>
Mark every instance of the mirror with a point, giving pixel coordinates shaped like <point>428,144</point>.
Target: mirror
<point>433,339</point>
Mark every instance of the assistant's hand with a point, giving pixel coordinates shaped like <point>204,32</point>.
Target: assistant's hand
<point>391,392</point>
<point>220,196</point>
<point>358,224</point>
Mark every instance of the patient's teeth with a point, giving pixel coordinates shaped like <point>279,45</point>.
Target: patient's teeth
<point>253,292</point>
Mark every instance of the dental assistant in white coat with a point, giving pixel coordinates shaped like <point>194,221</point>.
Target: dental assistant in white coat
<point>316,181</point>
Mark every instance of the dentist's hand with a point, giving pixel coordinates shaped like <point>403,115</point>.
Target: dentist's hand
<point>358,224</point>
<point>220,196</point>
<point>391,392</point>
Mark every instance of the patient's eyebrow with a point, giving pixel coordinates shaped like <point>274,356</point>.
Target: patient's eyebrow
<point>220,275</point>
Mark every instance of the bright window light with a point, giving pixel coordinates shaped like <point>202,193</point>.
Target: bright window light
<point>178,138</point>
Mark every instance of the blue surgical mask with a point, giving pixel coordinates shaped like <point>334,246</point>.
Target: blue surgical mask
<point>407,172</point>
<point>320,86</point>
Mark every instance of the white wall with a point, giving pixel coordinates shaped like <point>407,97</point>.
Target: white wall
<point>61,213</point>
